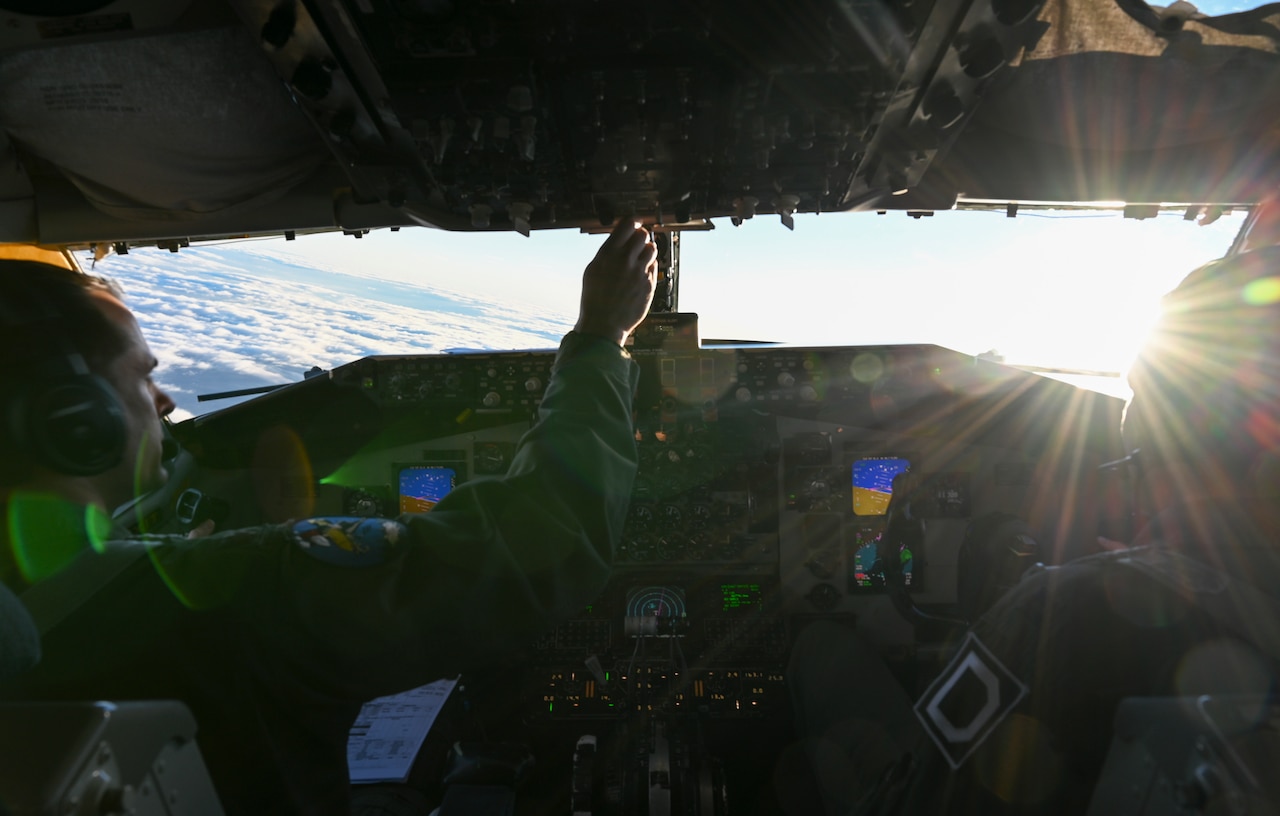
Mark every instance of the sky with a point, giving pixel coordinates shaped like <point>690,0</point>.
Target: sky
<point>1216,7</point>
<point>1042,289</point>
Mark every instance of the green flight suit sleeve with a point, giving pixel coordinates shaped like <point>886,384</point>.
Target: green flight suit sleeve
<point>495,562</point>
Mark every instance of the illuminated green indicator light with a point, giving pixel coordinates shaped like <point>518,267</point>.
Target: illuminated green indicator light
<point>551,707</point>
<point>606,677</point>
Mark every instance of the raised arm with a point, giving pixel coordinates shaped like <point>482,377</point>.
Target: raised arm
<point>617,286</point>
<point>495,562</point>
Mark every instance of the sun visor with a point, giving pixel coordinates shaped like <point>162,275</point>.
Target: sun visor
<point>168,128</point>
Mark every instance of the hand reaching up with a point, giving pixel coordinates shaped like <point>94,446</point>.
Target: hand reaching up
<point>618,284</point>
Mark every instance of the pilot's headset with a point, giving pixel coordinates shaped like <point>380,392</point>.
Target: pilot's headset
<point>56,411</point>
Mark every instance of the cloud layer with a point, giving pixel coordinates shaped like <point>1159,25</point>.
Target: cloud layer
<point>234,317</point>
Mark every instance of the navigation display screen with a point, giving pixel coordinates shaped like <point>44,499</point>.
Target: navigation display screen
<point>861,576</point>
<point>873,483</point>
<point>739,597</point>
<point>421,488</point>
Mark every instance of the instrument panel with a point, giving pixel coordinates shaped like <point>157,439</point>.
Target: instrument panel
<point>759,503</point>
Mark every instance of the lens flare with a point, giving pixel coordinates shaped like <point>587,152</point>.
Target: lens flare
<point>200,573</point>
<point>282,476</point>
<point>1262,292</point>
<point>48,532</point>
<point>867,368</point>
<point>1020,764</point>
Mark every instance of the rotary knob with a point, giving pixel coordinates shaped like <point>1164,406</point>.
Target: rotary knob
<point>670,547</point>
<point>821,567</point>
<point>786,379</point>
<point>824,597</point>
<point>640,548</point>
<point>492,400</point>
<point>533,385</point>
<point>743,394</point>
<point>808,393</point>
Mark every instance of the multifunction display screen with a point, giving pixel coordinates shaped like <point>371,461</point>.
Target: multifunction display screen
<point>863,573</point>
<point>422,487</point>
<point>873,483</point>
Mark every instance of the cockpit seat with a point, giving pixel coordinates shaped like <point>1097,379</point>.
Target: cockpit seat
<point>1186,755</point>
<point>102,758</point>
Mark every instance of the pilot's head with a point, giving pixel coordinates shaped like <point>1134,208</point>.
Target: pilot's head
<point>81,414</point>
<point>1205,412</point>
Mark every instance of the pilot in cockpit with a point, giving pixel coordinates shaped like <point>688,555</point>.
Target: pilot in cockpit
<point>274,636</point>
<point>1021,718</point>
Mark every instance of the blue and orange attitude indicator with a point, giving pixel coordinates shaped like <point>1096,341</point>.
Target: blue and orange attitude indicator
<point>873,484</point>
<point>422,488</point>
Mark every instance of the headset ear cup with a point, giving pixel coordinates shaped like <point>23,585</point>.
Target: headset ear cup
<point>74,425</point>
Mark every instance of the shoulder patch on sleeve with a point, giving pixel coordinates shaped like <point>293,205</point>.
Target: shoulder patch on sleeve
<point>349,542</point>
<point>966,702</point>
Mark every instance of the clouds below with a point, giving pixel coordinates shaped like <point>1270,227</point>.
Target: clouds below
<point>233,317</point>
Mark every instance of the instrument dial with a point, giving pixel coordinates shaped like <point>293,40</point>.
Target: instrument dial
<point>699,516</point>
<point>699,546</point>
<point>363,503</point>
<point>672,515</point>
<point>642,516</point>
<point>656,602</point>
<point>671,547</point>
<point>491,457</point>
<point>639,548</point>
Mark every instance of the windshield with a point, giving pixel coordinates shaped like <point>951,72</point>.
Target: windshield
<point>1058,290</point>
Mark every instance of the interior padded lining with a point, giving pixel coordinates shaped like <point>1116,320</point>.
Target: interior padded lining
<point>1082,26</point>
<point>104,114</point>
<point>1121,102</point>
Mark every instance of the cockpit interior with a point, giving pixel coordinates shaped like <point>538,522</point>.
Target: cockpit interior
<point>766,471</point>
<point>760,501</point>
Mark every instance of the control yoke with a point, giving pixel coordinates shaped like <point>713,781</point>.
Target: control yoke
<point>904,533</point>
